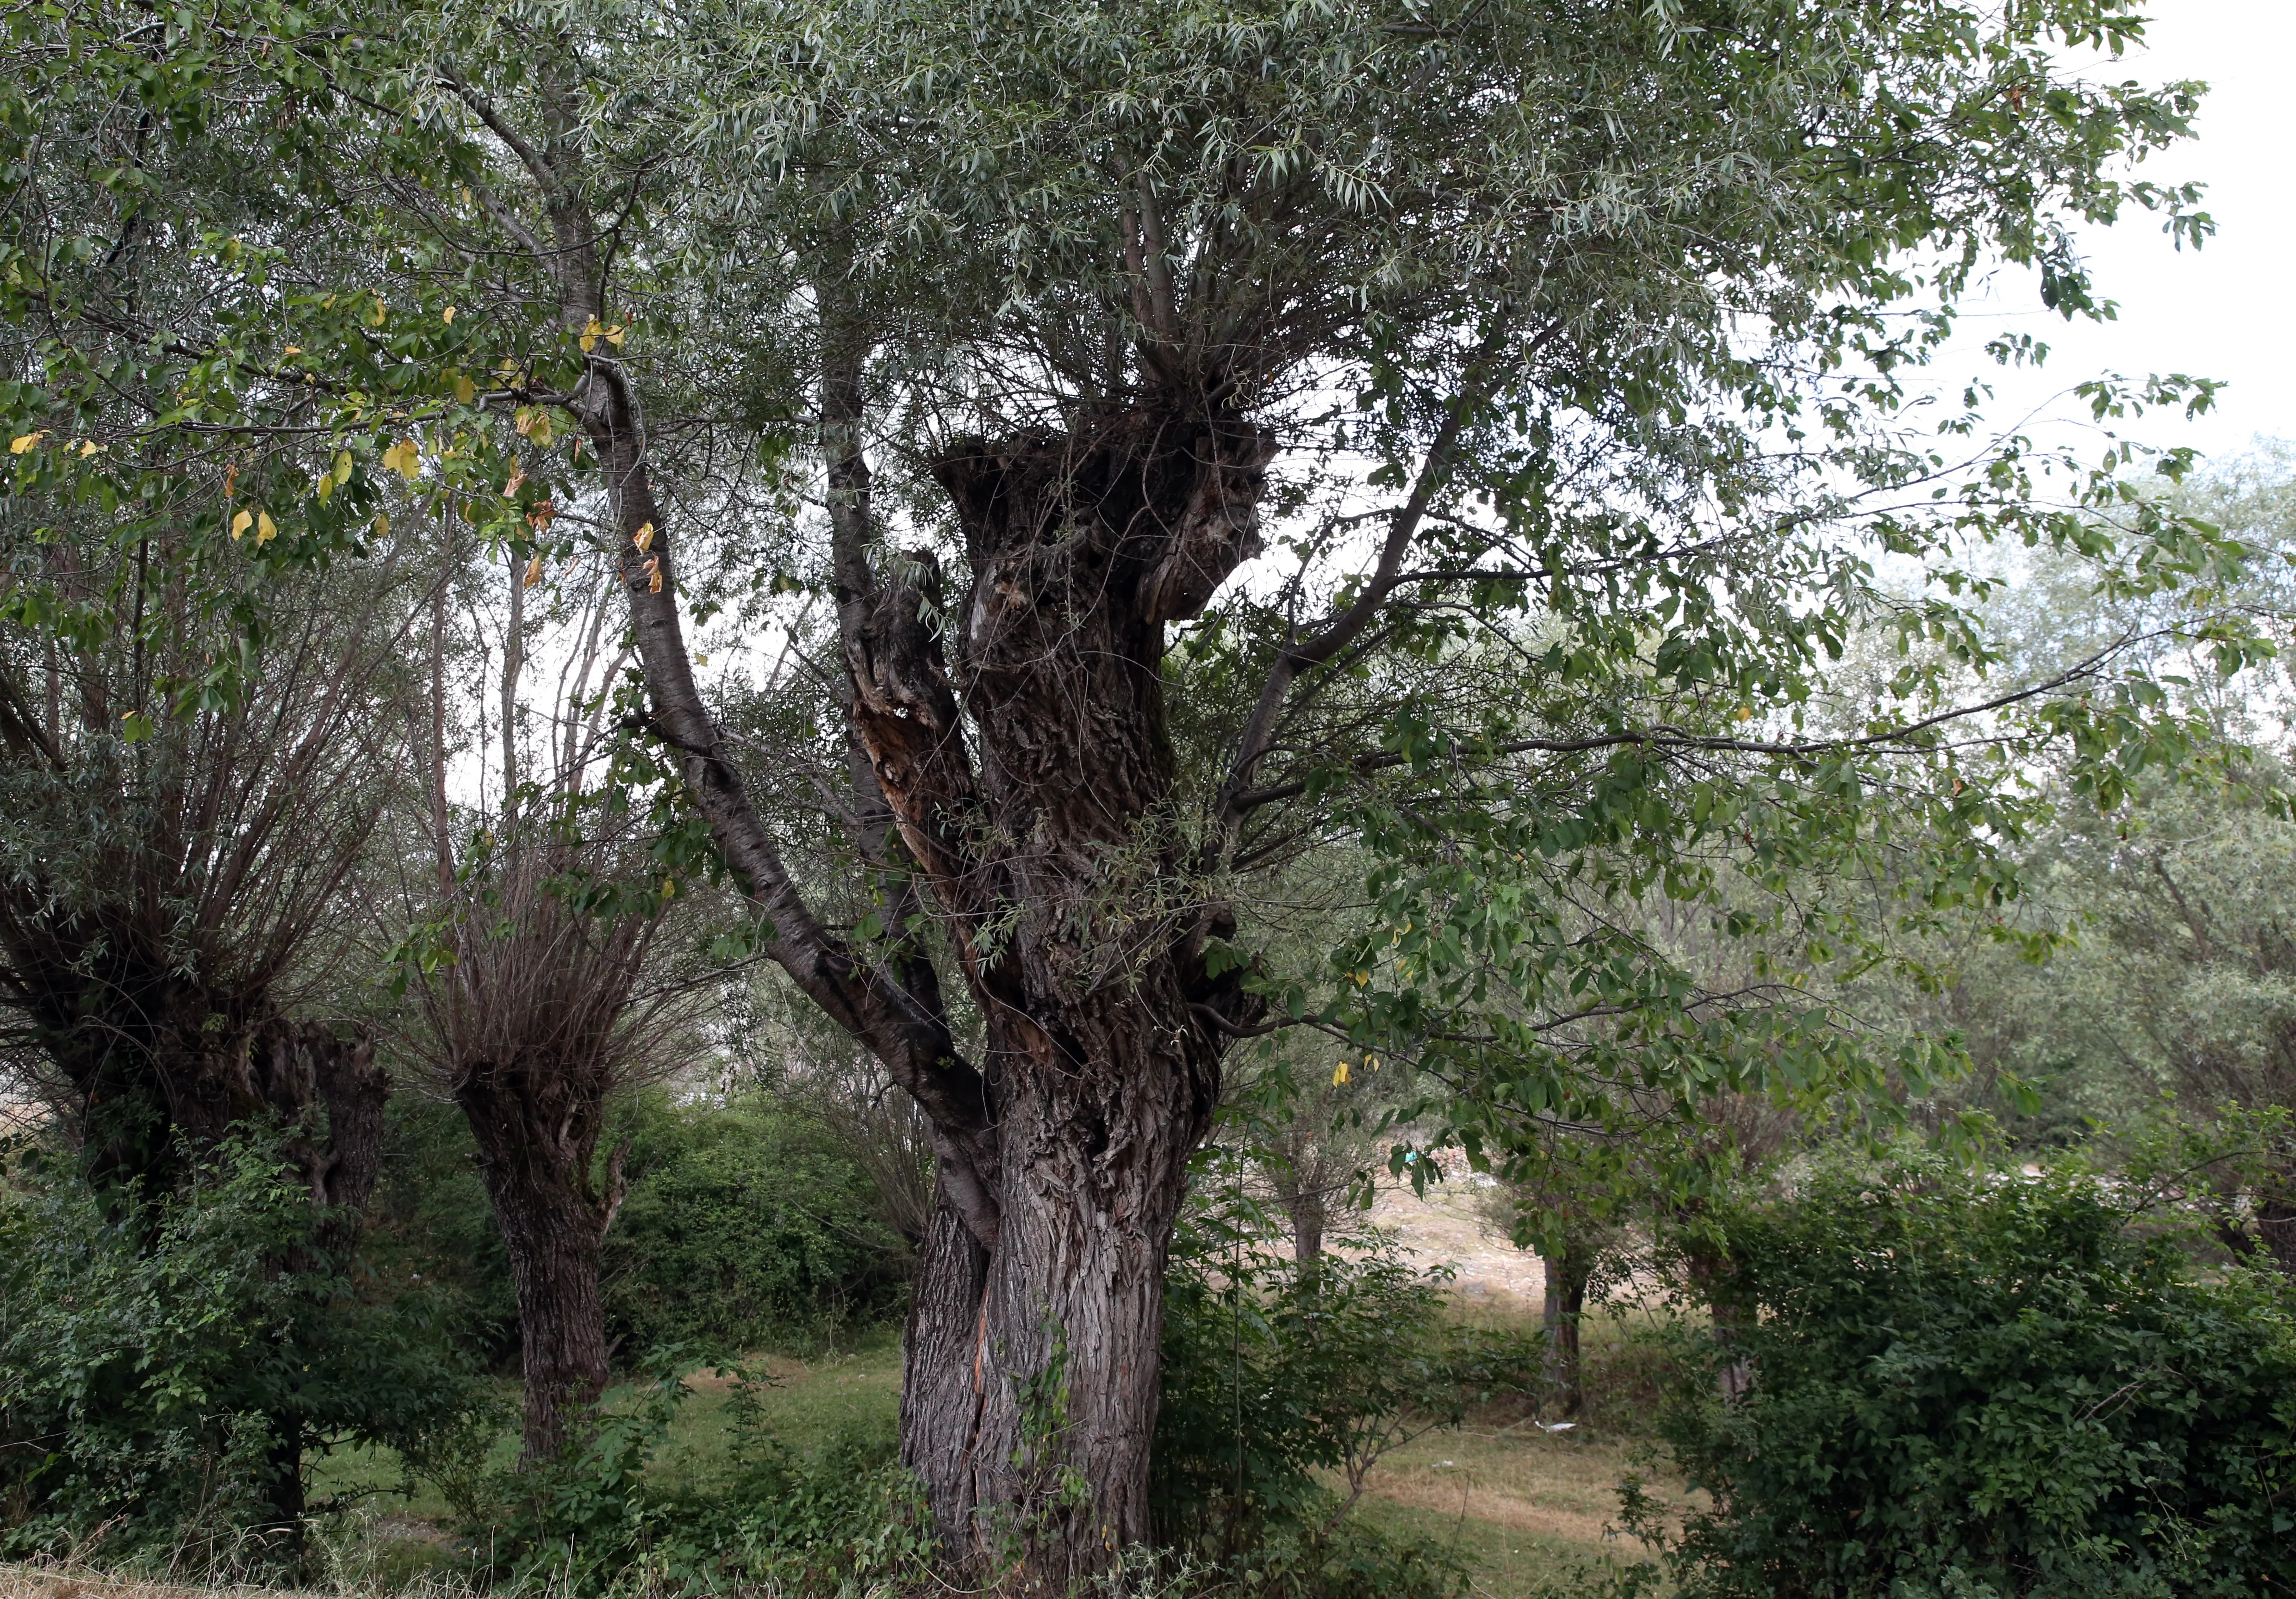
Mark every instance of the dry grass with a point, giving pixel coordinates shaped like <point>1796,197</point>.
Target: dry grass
<point>67,1582</point>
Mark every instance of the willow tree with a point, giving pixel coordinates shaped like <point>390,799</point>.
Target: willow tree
<point>1541,364</point>
<point>1555,350</point>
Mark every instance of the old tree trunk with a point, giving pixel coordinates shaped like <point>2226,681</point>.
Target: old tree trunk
<point>1024,753</point>
<point>536,1127</point>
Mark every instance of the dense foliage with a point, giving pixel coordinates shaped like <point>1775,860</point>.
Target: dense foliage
<point>163,1367</point>
<point>746,1227</point>
<point>2008,1385</point>
<point>1281,1389</point>
<point>1410,523</point>
<point>814,1519</point>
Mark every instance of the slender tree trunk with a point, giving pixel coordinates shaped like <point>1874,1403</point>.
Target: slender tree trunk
<point>1308,1232</point>
<point>2275,1227</point>
<point>1710,1272</point>
<point>1301,1193</point>
<point>1565,1308</point>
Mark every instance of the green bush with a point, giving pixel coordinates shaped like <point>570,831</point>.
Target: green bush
<point>1276,1385</point>
<point>835,1521</point>
<point>745,1225</point>
<point>169,1362</point>
<point>432,1223</point>
<point>1984,1387</point>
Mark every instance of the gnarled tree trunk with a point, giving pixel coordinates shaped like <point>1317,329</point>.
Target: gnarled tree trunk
<point>1569,1267</point>
<point>1048,835</point>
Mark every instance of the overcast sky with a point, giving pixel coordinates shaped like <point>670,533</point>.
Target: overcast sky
<point>2227,311</point>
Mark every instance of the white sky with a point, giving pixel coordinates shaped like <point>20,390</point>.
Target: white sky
<point>2224,312</point>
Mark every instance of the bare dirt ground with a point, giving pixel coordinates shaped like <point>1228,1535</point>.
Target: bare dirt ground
<point>1443,1229</point>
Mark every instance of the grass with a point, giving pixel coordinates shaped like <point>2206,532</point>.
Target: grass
<point>1517,1502</point>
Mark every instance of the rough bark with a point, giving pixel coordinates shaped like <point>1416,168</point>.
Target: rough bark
<point>1030,776</point>
<point>1029,779</point>
<point>536,1129</point>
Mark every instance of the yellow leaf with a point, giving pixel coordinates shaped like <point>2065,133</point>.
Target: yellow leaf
<point>381,525</point>
<point>406,459</point>
<point>655,586</point>
<point>644,537</point>
<point>542,430</point>
<point>240,523</point>
<point>534,570</point>
<point>1339,1074</point>
<point>264,528</point>
<point>701,660</point>
<point>614,336</point>
<point>292,349</point>
<point>88,449</point>
<point>465,390</point>
<point>590,336</point>
<point>374,318</point>
<point>447,314</point>
<point>670,888</point>
<point>25,441</point>
<point>326,489</point>
<point>524,425</point>
<point>466,194</point>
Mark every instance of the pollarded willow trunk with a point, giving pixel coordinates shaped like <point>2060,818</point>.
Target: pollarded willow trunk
<point>537,1135</point>
<point>1042,814</point>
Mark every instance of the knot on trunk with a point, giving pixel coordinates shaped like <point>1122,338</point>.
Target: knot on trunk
<point>1165,505</point>
<point>893,647</point>
<point>906,712</point>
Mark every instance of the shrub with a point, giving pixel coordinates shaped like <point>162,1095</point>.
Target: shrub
<point>597,1521</point>
<point>1274,1381</point>
<point>167,1361</point>
<point>430,1221</point>
<point>745,1225</point>
<point>1996,1387</point>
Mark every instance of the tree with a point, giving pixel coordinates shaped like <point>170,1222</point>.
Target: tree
<point>1559,348</point>
<point>2161,916</point>
<point>169,884</point>
<point>538,991</point>
<point>1543,555</point>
